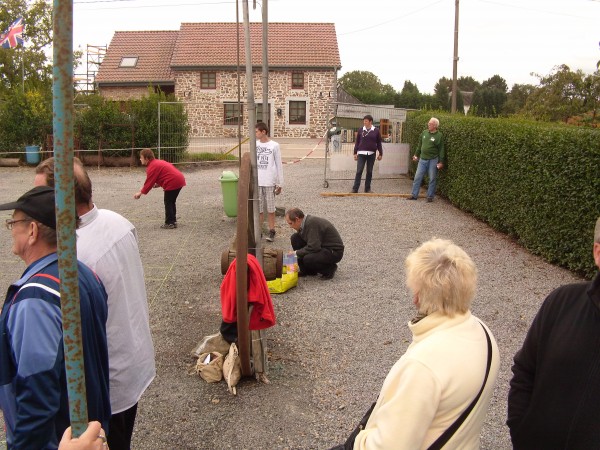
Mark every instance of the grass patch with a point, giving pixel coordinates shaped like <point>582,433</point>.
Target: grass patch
<point>195,157</point>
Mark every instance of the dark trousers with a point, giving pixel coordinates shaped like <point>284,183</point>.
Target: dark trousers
<point>171,206</point>
<point>121,428</point>
<point>229,331</point>
<point>360,165</point>
<point>324,261</point>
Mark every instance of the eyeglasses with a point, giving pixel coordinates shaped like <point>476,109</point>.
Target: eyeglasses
<point>11,222</point>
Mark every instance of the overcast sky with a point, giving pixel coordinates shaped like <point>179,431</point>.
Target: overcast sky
<point>397,40</point>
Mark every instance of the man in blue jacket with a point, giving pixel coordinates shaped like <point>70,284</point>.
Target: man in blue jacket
<point>33,387</point>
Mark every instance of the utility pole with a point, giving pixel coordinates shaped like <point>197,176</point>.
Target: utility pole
<point>455,60</point>
<point>251,122</point>
<point>265,67</point>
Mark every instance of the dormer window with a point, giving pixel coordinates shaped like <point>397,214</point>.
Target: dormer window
<point>128,61</point>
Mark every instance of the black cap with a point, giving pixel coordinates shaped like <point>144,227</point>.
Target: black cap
<point>37,203</point>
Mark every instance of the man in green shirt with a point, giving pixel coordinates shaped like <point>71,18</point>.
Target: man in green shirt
<point>430,154</point>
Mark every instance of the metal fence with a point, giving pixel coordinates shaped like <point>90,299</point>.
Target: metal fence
<point>339,155</point>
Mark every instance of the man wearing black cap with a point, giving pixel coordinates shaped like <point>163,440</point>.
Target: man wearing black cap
<point>107,243</point>
<point>33,389</point>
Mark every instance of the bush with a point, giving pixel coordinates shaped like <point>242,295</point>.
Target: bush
<point>537,182</point>
<point>26,119</point>
<point>105,124</point>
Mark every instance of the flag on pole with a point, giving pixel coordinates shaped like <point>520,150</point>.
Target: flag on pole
<point>14,35</point>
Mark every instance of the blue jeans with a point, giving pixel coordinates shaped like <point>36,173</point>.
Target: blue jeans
<point>430,166</point>
<point>360,166</point>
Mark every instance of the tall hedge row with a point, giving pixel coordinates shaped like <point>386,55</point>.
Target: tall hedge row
<point>537,182</point>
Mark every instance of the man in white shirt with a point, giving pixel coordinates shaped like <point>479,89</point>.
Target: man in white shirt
<point>270,175</point>
<point>107,243</point>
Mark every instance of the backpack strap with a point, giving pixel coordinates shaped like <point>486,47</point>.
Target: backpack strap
<point>446,435</point>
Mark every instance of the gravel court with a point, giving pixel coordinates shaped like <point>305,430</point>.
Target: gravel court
<point>335,340</point>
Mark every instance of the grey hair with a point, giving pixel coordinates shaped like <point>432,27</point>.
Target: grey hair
<point>436,121</point>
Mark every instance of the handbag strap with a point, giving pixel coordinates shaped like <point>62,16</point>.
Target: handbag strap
<point>446,435</point>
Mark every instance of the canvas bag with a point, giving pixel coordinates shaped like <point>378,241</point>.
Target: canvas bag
<point>210,367</point>
<point>232,368</point>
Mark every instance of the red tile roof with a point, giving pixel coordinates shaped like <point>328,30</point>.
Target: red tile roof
<point>195,45</point>
<point>290,45</point>
<point>153,49</point>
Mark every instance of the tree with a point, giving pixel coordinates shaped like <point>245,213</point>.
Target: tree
<point>26,76</point>
<point>489,99</point>
<point>409,97</point>
<point>591,92</point>
<point>444,83</point>
<point>441,94</point>
<point>563,94</point>
<point>467,84</point>
<point>517,97</point>
<point>495,82</point>
<point>360,81</point>
<point>367,87</point>
<point>27,66</point>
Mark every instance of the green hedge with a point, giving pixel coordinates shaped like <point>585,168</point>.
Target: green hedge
<point>102,123</point>
<point>538,182</point>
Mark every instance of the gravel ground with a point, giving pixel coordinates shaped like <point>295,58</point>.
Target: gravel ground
<point>334,341</point>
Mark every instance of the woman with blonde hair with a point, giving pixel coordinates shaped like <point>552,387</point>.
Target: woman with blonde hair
<point>443,384</point>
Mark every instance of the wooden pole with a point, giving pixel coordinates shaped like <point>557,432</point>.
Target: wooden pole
<point>455,60</point>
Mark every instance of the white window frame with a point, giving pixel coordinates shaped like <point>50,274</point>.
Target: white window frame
<point>287,112</point>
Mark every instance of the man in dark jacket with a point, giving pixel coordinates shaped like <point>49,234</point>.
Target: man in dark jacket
<point>33,385</point>
<point>554,393</point>
<point>317,244</point>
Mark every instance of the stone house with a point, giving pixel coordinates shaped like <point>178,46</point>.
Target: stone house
<point>199,64</point>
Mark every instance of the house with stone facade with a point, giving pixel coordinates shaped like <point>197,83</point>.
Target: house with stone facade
<point>199,64</point>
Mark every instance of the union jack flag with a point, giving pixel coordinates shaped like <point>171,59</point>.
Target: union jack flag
<point>14,35</point>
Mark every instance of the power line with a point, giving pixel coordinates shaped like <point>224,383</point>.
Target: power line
<point>562,14</point>
<point>391,20</point>
<point>169,5</point>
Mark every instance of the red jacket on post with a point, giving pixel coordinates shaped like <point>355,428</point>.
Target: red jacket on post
<point>263,314</point>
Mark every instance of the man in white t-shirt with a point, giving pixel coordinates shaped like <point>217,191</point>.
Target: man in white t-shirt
<point>270,175</point>
<point>107,243</point>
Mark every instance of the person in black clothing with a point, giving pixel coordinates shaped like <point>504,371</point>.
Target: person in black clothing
<point>366,147</point>
<point>554,393</point>
<point>317,244</point>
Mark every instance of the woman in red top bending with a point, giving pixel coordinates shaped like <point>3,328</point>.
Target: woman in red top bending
<point>164,174</point>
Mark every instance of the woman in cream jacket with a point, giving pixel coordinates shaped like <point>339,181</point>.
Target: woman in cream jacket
<point>444,367</point>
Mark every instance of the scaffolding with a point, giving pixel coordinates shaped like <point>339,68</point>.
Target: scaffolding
<point>85,83</point>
